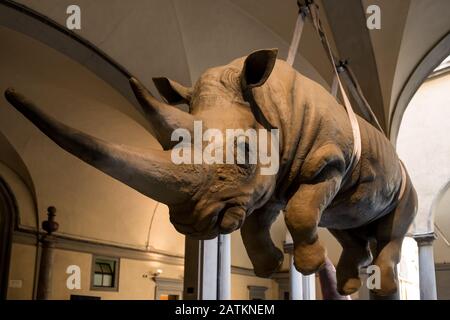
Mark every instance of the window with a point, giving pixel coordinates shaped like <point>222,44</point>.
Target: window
<point>284,289</point>
<point>169,297</point>
<point>105,273</point>
<point>257,292</point>
<point>168,289</point>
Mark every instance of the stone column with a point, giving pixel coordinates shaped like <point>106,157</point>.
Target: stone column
<point>295,281</point>
<point>200,269</point>
<point>44,289</point>
<point>207,269</point>
<point>224,268</point>
<point>309,287</point>
<point>427,274</point>
<point>295,277</point>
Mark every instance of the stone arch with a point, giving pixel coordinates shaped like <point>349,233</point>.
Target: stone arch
<point>17,179</point>
<point>8,218</point>
<point>434,207</point>
<point>31,23</point>
<point>22,19</point>
<point>17,206</point>
<point>425,67</point>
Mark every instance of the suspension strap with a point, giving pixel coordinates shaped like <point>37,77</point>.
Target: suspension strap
<point>356,155</point>
<point>356,91</point>
<point>293,48</point>
<point>334,86</point>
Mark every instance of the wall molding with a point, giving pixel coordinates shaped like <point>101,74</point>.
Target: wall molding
<point>442,266</point>
<point>28,237</point>
<point>99,248</point>
<point>243,271</point>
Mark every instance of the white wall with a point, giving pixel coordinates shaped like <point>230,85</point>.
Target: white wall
<point>423,144</point>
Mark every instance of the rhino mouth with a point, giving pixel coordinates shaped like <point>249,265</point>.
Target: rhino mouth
<point>225,221</point>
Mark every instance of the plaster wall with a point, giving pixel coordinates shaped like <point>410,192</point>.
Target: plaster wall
<point>132,283</point>
<point>424,147</point>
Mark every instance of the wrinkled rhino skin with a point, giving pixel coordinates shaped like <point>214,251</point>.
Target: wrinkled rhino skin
<point>312,187</point>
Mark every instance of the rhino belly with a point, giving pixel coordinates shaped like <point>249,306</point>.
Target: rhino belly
<point>350,213</point>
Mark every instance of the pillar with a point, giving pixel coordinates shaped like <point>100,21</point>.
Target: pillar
<point>295,281</point>
<point>200,269</point>
<point>295,277</point>
<point>427,274</point>
<point>207,269</point>
<point>309,287</point>
<point>224,267</point>
<point>44,289</point>
<point>301,287</point>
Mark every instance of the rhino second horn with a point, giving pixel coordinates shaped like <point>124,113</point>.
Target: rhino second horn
<point>163,117</point>
<point>150,172</point>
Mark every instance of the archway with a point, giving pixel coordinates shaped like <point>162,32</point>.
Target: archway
<point>425,67</point>
<point>8,214</point>
<point>423,146</point>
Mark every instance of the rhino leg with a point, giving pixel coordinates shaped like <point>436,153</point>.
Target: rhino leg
<point>355,254</point>
<point>255,232</point>
<point>390,232</point>
<point>302,217</point>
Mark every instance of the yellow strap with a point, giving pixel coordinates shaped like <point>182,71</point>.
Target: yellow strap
<point>293,48</point>
<point>348,107</point>
<point>351,114</point>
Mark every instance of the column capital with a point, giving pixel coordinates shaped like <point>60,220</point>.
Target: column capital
<point>425,239</point>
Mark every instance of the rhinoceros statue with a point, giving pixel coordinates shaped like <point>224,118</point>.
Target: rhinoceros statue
<point>368,205</point>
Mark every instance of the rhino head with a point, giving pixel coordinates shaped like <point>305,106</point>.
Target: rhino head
<point>204,199</point>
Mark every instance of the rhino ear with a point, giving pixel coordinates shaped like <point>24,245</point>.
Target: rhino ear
<point>173,92</point>
<point>257,68</point>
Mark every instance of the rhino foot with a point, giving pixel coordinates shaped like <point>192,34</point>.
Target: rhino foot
<point>388,285</point>
<point>309,258</point>
<point>350,286</point>
<point>269,264</point>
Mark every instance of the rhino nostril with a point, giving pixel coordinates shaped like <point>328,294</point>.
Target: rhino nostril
<point>232,220</point>
<point>228,224</point>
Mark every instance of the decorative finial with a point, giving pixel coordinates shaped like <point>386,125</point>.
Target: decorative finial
<point>50,225</point>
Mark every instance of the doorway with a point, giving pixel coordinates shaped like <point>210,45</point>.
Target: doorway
<point>7,214</point>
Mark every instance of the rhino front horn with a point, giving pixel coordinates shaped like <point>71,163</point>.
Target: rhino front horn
<point>150,172</point>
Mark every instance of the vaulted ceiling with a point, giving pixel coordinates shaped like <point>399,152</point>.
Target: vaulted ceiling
<point>181,38</point>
